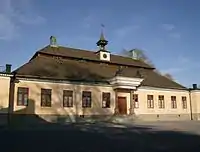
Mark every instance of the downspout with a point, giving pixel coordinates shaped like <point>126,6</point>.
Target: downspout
<point>11,98</point>
<point>191,112</point>
<point>76,103</point>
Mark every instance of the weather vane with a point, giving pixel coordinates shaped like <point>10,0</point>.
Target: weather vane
<point>102,27</point>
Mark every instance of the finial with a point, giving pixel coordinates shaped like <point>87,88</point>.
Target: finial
<point>102,32</point>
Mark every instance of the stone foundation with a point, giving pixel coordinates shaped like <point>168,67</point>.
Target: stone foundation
<point>20,119</point>
<point>75,118</point>
<point>163,117</point>
<point>196,116</point>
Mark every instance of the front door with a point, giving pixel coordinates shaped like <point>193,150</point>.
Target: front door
<point>122,105</point>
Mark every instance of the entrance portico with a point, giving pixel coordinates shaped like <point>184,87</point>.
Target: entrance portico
<point>124,88</point>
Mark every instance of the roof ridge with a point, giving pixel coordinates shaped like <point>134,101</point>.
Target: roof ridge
<point>80,49</point>
<point>91,55</point>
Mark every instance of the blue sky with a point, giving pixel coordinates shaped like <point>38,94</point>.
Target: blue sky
<point>168,30</point>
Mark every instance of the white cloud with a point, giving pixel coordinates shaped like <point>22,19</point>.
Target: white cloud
<point>8,29</point>
<point>84,38</point>
<point>175,35</point>
<point>181,68</point>
<point>37,20</point>
<point>173,70</point>
<point>13,14</point>
<point>87,21</point>
<point>181,64</point>
<point>126,30</point>
<point>183,60</point>
<point>90,20</point>
<point>168,27</point>
<point>26,13</point>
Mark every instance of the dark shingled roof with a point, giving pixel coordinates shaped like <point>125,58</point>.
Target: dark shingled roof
<point>91,55</point>
<point>79,70</point>
<point>85,66</point>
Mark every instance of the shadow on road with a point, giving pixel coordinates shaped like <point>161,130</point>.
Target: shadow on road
<point>27,133</point>
<point>97,137</point>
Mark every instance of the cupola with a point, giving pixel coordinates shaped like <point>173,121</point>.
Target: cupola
<point>102,52</point>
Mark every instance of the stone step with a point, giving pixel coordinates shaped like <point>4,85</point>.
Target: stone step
<point>124,119</point>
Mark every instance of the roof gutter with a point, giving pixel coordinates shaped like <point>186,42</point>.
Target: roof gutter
<point>36,78</point>
<point>6,74</point>
<point>190,100</point>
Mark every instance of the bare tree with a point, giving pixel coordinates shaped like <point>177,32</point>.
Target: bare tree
<point>169,76</point>
<point>140,55</point>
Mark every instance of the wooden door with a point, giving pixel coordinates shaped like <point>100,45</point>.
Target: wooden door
<point>122,105</point>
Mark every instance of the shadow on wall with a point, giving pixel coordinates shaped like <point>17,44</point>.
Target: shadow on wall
<point>59,114</point>
<point>66,113</point>
<point>25,116</point>
<point>20,116</point>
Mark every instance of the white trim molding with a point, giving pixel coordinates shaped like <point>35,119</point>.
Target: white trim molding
<point>148,88</point>
<point>120,82</point>
<point>195,91</point>
<point>62,82</point>
<point>5,76</point>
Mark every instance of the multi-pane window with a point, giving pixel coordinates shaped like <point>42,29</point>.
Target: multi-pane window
<point>22,96</point>
<point>161,102</point>
<point>173,102</point>
<point>184,102</point>
<point>46,97</point>
<point>150,102</point>
<point>106,100</point>
<point>135,100</point>
<point>86,99</point>
<point>67,98</point>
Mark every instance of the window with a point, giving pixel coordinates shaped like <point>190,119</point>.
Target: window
<point>150,102</point>
<point>67,98</point>
<point>173,100</point>
<point>46,97</point>
<point>22,96</point>
<point>135,100</point>
<point>184,102</point>
<point>86,99</point>
<point>161,102</point>
<point>106,100</point>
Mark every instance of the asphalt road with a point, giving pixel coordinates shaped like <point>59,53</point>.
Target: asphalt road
<point>103,137</point>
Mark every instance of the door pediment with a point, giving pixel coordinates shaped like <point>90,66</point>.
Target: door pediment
<point>120,82</point>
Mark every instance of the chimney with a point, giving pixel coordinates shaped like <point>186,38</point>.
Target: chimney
<point>194,86</point>
<point>53,41</point>
<point>134,54</point>
<point>8,68</point>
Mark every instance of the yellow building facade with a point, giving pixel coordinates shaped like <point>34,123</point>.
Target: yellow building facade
<point>72,84</point>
